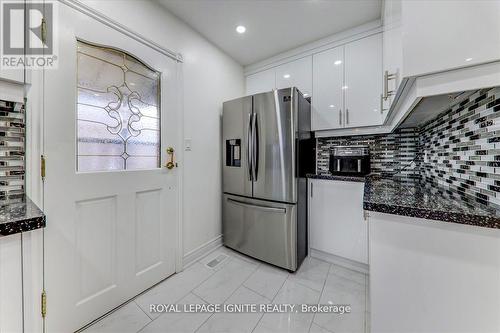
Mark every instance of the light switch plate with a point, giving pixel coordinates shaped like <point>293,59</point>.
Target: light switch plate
<point>187,144</point>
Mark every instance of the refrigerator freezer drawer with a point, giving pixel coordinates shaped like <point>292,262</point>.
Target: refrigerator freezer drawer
<point>261,229</point>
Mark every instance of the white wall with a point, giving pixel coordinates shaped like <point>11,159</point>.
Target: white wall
<point>209,78</point>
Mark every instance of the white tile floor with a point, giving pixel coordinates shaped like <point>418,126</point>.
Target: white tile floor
<point>241,280</point>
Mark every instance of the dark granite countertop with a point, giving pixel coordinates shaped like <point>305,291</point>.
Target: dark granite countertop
<point>416,197</point>
<point>19,216</point>
<point>427,200</point>
<point>341,178</point>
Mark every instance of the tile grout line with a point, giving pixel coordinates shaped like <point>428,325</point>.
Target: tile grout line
<point>231,258</point>
<point>308,287</point>
<point>366,277</point>
<point>151,319</point>
<point>281,287</point>
<point>321,294</point>
<point>196,286</point>
<point>241,285</point>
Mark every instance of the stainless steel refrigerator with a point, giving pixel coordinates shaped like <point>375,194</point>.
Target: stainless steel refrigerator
<point>268,148</point>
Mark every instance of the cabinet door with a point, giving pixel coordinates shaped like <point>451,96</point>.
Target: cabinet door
<point>328,78</point>
<point>297,73</point>
<point>32,279</point>
<point>443,35</point>
<point>363,82</point>
<point>15,41</point>
<point>337,225</point>
<point>12,75</point>
<point>392,49</point>
<point>261,82</point>
<point>11,306</point>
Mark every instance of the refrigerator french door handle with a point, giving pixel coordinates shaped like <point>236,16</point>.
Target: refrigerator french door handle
<point>249,147</point>
<point>255,147</point>
<point>249,205</point>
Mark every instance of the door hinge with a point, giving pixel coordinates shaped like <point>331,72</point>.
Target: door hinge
<point>44,304</point>
<point>42,166</point>
<point>44,31</point>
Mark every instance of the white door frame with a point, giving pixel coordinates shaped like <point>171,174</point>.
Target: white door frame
<point>35,110</point>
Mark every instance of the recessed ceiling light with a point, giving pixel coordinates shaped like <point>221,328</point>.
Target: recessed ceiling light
<point>468,59</point>
<point>241,29</point>
<point>337,62</point>
<point>286,76</point>
<point>332,106</point>
<point>345,87</point>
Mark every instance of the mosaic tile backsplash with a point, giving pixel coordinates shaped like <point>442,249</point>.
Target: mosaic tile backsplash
<point>12,134</point>
<point>389,153</point>
<point>462,147</point>
<point>459,149</point>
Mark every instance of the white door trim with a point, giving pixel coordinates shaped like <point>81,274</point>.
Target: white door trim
<point>78,5</point>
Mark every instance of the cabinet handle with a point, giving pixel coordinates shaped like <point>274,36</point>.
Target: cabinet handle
<point>340,117</point>
<point>382,104</point>
<point>347,116</point>
<point>388,77</point>
<point>312,187</point>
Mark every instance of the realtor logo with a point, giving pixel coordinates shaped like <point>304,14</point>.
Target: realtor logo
<point>28,34</point>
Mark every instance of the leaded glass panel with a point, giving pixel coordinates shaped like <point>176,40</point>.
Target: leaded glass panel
<point>118,111</point>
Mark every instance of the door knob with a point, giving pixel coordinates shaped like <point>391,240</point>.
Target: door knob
<point>170,164</point>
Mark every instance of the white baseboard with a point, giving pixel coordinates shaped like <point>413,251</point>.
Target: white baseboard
<point>333,259</point>
<point>201,251</point>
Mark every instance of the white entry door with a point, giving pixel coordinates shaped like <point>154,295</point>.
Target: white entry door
<point>111,111</point>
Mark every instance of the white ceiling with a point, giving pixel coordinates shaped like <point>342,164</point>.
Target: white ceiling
<point>273,26</point>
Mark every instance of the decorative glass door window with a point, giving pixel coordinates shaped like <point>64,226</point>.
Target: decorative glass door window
<point>118,122</point>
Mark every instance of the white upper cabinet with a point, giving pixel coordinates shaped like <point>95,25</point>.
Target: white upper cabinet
<point>440,35</point>
<point>347,82</point>
<point>261,82</point>
<point>363,82</point>
<point>449,39</point>
<point>328,79</point>
<point>297,73</point>
<point>12,75</point>
<point>392,51</point>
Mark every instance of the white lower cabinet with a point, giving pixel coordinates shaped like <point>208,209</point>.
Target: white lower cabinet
<point>11,284</point>
<point>336,223</point>
<point>21,275</point>
<point>430,276</point>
